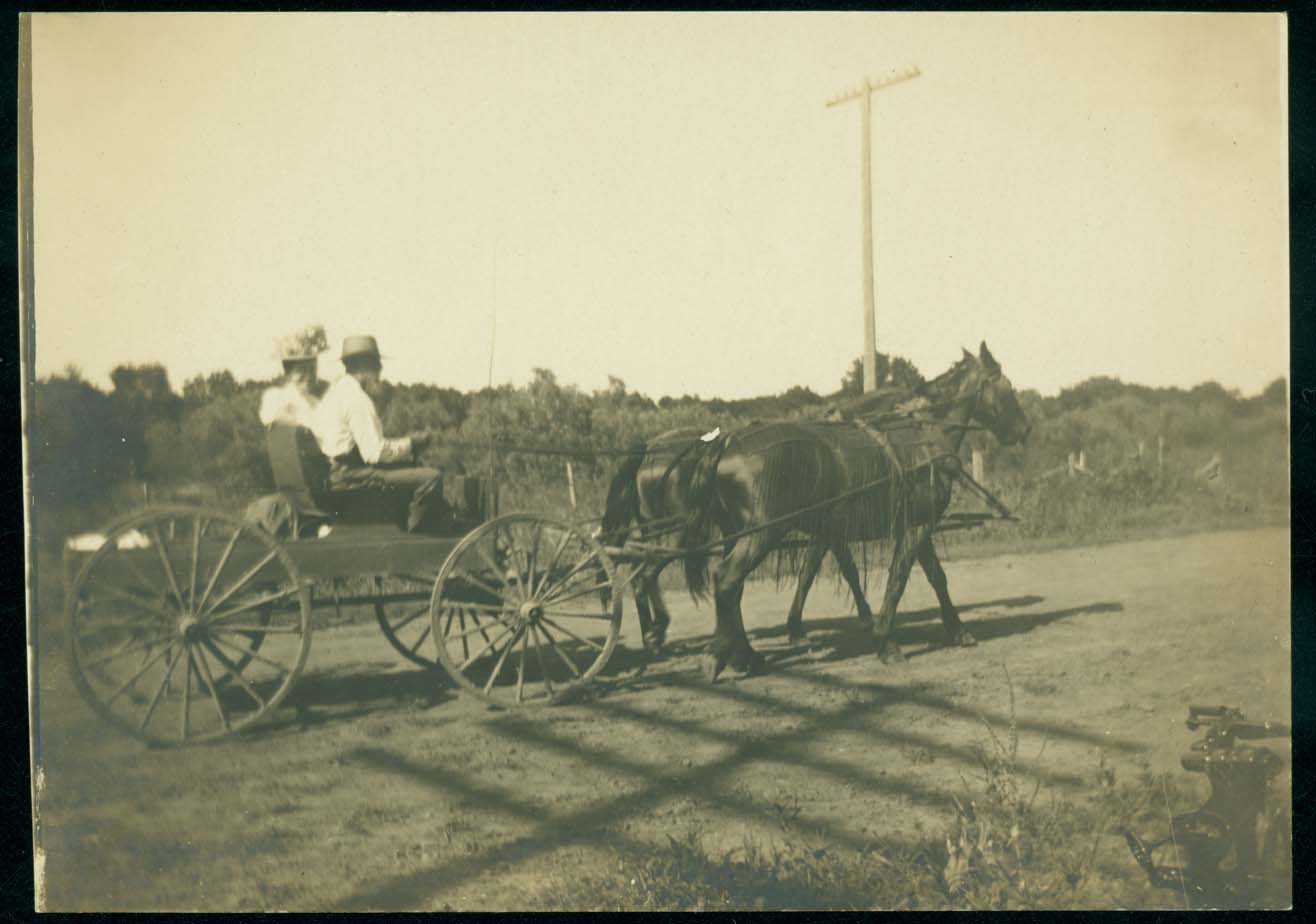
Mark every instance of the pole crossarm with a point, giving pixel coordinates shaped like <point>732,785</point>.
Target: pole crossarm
<point>868,87</point>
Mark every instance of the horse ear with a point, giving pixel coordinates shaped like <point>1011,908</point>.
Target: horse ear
<point>986,356</point>
<point>967,354</point>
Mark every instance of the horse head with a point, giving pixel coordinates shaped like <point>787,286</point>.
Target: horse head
<point>978,384</point>
<point>998,406</point>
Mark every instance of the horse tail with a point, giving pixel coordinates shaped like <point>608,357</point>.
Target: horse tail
<point>623,504</point>
<point>703,502</point>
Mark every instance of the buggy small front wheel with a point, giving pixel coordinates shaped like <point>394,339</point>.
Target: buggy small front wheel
<point>525,610</point>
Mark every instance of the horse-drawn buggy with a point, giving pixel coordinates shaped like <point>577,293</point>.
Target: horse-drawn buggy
<point>189,623</point>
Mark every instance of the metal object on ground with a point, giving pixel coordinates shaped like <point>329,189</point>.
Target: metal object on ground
<point>1234,851</point>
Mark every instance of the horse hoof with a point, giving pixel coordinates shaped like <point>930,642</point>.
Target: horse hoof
<point>653,642</point>
<point>865,619</point>
<point>712,667</point>
<point>797,638</point>
<point>966,640</point>
<point>891,654</point>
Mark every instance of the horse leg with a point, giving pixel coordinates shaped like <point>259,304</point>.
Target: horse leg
<point>902,560</point>
<point>841,552</point>
<point>661,618</point>
<point>730,644</point>
<point>956,634</point>
<point>640,585</point>
<point>812,562</point>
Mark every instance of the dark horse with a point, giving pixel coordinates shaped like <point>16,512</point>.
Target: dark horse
<point>756,486</point>
<point>650,491</point>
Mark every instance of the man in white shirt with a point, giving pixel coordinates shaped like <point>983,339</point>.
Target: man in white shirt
<point>293,399</point>
<point>350,434</point>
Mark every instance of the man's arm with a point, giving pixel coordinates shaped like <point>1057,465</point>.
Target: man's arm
<point>368,433</point>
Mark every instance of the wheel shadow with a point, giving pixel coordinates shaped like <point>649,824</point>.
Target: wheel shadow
<point>333,697</point>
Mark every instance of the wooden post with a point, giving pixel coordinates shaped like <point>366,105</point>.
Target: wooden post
<point>1160,451</point>
<point>979,467</point>
<point>870,321</point>
<point>1082,461</point>
<point>1072,463</point>
<point>571,485</point>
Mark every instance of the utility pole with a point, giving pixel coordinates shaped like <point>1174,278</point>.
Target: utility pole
<point>870,321</point>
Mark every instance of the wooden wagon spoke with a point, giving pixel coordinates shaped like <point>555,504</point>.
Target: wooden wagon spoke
<point>548,572</point>
<point>483,585</point>
<point>571,665</point>
<point>128,596</point>
<point>107,625</point>
<point>532,559</point>
<point>250,605</point>
<point>127,648</point>
<point>242,581</point>
<point>482,629</point>
<point>594,553</point>
<point>198,527</point>
<point>577,594</point>
<point>123,687</point>
<point>219,567</point>
<point>488,608</point>
<point>247,652</point>
<point>420,640</point>
<point>475,617</point>
<point>539,656</point>
<point>461,620</point>
<point>125,556</point>
<point>495,569</point>
<point>520,668</point>
<point>253,629</point>
<point>502,659</point>
<point>235,672</point>
<point>475,657</point>
<point>605,617</point>
<point>187,697</point>
<point>563,629</point>
<point>159,692</point>
<point>407,620</point>
<point>168,566</point>
<point>210,685</point>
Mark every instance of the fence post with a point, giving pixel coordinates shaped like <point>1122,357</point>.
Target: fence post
<point>1082,461</point>
<point>1160,451</point>
<point>979,467</point>
<point>571,485</point>
<point>1071,463</point>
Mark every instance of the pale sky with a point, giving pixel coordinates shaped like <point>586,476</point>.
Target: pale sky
<point>664,198</point>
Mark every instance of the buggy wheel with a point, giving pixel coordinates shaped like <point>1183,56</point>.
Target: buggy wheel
<point>407,626</point>
<point>525,610</point>
<point>187,624</point>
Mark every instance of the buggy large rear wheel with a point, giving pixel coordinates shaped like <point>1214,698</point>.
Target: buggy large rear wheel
<point>187,624</point>
<point>525,610</point>
<point>407,625</point>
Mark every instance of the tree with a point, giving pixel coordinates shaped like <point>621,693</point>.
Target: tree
<point>203,389</point>
<point>890,371</point>
<point>141,397</point>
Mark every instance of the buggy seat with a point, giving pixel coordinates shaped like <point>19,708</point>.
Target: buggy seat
<point>301,474</point>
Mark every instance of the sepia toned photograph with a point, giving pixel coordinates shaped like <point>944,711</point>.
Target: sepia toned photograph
<point>656,462</point>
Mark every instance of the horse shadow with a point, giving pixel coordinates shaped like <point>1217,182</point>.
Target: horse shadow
<point>843,638</point>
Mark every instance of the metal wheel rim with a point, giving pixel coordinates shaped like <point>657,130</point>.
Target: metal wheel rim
<point>546,646</point>
<point>215,649</point>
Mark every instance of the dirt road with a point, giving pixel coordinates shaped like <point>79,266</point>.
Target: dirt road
<point>375,787</point>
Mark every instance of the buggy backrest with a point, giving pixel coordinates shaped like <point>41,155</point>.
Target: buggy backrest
<point>300,469</point>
